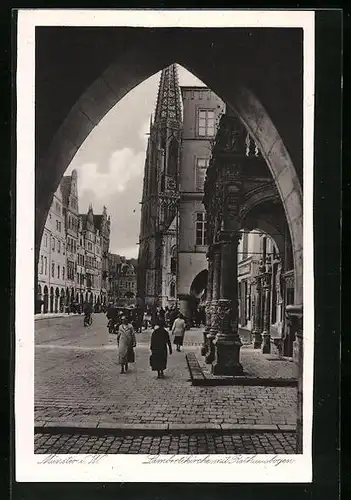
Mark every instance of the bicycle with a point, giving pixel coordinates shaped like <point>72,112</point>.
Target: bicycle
<point>88,320</point>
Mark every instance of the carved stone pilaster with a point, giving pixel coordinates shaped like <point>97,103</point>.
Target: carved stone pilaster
<point>205,347</point>
<point>227,342</point>
<point>266,346</point>
<point>257,318</point>
<point>214,327</point>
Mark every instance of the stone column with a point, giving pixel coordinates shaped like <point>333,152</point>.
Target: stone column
<point>257,316</point>
<point>205,347</point>
<point>295,315</point>
<point>266,347</point>
<point>227,342</point>
<point>216,270</point>
<point>184,305</point>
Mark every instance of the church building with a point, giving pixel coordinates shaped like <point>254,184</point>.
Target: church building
<point>157,271</point>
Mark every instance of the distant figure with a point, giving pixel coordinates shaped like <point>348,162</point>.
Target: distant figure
<point>126,342</point>
<point>153,317</point>
<point>159,342</point>
<point>178,330</point>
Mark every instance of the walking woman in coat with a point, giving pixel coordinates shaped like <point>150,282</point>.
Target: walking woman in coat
<point>178,330</point>
<point>159,342</point>
<point>126,342</point>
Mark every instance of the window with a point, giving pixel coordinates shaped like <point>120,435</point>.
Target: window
<point>63,248</point>
<point>41,264</point>
<point>206,123</point>
<point>201,167</point>
<point>63,272</point>
<point>172,289</point>
<point>70,270</point>
<point>201,232</point>
<point>45,240</point>
<point>58,271</point>
<point>59,246</point>
<point>53,270</point>
<point>53,244</point>
<point>46,265</point>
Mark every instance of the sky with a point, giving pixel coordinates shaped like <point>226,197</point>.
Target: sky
<point>110,162</point>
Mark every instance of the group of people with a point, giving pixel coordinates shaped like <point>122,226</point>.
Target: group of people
<point>160,343</point>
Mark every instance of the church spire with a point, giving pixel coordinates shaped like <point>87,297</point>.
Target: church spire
<point>168,99</point>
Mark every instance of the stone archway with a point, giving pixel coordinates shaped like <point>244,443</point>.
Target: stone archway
<point>62,300</point>
<point>51,300</point>
<point>199,284</point>
<point>46,299</point>
<point>57,298</point>
<point>123,75</point>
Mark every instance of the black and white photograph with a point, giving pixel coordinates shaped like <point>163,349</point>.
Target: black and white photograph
<point>165,327</point>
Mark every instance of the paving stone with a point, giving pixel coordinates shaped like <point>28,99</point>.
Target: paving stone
<point>228,443</point>
<point>90,390</point>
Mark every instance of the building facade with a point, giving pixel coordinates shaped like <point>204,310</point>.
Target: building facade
<point>201,112</point>
<point>114,265</point>
<point>92,243</point>
<point>52,259</point>
<point>71,213</point>
<point>103,225</point>
<point>122,280</point>
<point>127,287</point>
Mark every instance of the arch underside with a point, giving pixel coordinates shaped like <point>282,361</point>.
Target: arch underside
<point>122,76</point>
<point>199,284</point>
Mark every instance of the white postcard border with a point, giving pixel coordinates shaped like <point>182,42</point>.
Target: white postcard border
<point>130,468</point>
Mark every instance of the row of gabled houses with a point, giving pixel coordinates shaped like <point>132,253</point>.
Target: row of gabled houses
<point>73,258</point>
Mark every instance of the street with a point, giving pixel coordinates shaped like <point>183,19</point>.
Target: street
<point>77,383</point>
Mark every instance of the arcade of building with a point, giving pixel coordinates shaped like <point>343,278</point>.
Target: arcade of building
<point>213,228</point>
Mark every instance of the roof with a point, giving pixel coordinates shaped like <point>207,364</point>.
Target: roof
<point>115,258</point>
<point>98,221</point>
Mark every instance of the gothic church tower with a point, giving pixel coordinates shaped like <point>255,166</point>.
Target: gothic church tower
<point>158,227</point>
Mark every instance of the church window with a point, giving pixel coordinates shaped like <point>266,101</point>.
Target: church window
<point>173,158</point>
<point>206,123</point>
<point>200,227</point>
<point>201,167</point>
<point>41,264</point>
<point>45,265</point>
<point>58,271</point>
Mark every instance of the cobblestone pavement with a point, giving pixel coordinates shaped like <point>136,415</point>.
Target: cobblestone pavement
<point>77,380</point>
<point>183,444</point>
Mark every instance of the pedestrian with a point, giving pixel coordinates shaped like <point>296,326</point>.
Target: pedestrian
<point>178,330</point>
<point>126,343</point>
<point>158,346</point>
